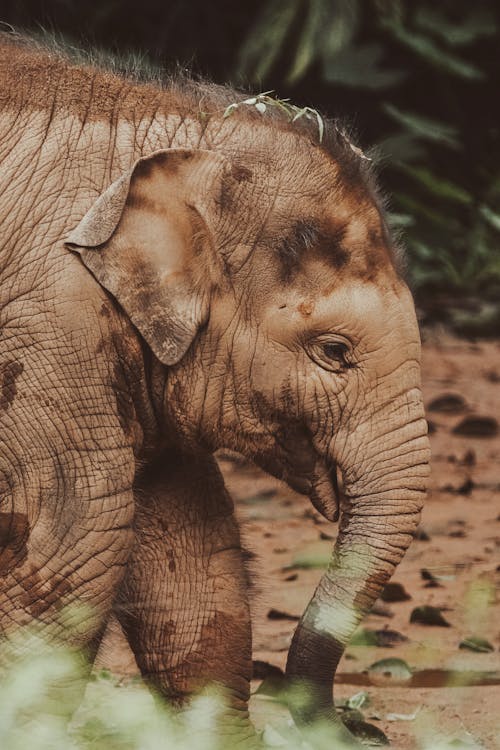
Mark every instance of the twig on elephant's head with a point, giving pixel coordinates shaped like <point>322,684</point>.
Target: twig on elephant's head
<point>262,101</point>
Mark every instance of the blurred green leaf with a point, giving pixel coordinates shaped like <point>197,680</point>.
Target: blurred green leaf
<point>405,147</point>
<point>339,32</point>
<point>490,216</point>
<point>475,25</point>
<point>364,637</point>
<point>426,211</point>
<point>313,555</point>
<point>264,43</point>
<point>428,50</point>
<point>424,127</point>
<point>358,700</point>
<point>358,66</point>
<point>398,221</point>
<point>403,717</point>
<point>307,46</point>
<point>328,28</point>
<point>437,185</point>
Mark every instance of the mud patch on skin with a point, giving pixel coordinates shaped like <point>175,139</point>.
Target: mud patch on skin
<point>378,254</point>
<point>306,308</point>
<point>9,373</point>
<point>14,535</point>
<point>241,173</point>
<point>171,562</point>
<point>376,260</point>
<point>41,595</point>
<point>105,311</point>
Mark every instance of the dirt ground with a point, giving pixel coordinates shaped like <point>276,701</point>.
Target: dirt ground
<point>459,547</point>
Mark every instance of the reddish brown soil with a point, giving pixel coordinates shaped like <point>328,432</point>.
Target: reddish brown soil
<point>462,521</point>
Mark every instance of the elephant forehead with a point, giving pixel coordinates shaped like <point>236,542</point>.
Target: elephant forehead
<point>368,301</point>
<point>334,236</point>
<point>374,316</point>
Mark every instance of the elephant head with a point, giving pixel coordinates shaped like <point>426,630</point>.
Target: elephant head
<point>264,278</point>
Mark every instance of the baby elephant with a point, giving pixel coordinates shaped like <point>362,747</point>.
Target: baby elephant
<point>182,271</point>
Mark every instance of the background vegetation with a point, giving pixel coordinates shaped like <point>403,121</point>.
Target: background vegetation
<point>419,80</point>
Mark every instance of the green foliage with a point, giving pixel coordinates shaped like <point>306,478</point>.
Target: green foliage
<point>416,68</point>
<point>37,711</point>
<point>42,684</point>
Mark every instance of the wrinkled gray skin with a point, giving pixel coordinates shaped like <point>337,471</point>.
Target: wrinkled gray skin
<point>173,283</point>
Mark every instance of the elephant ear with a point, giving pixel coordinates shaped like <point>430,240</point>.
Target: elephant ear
<point>148,241</point>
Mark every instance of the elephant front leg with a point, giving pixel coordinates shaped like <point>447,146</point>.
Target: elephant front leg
<point>184,604</point>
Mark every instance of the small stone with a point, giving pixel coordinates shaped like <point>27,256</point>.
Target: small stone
<point>390,672</point>
<point>427,615</point>
<point>394,592</point>
<point>387,638</point>
<point>276,614</point>
<point>477,644</point>
<point>427,575</point>
<point>422,535</point>
<point>367,733</point>
<point>381,609</point>
<point>465,488</point>
<point>493,376</point>
<point>477,426</point>
<point>326,537</point>
<point>469,458</point>
<point>448,403</point>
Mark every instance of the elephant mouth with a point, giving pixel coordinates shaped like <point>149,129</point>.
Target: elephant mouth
<point>298,464</point>
<point>321,486</point>
<point>325,492</point>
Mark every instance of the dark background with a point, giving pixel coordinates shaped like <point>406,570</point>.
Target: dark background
<point>419,80</point>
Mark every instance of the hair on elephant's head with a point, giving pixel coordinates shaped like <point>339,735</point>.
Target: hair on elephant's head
<point>264,277</point>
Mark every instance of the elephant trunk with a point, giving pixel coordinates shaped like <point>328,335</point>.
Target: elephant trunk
<point>380,514</point>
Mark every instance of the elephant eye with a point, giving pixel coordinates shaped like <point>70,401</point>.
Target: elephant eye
<point>336,353</point>
<point>331,354</point>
